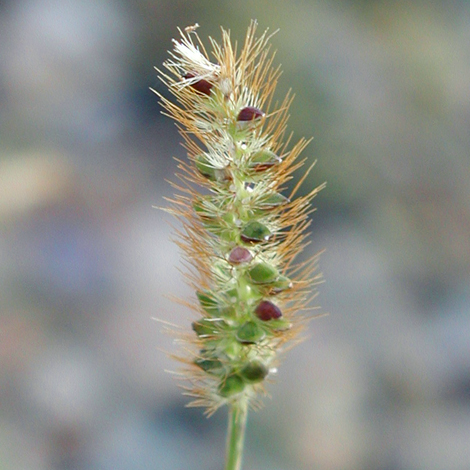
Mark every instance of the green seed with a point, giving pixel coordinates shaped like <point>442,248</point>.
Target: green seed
<point>280,324</point>
<point>282,283</point>
<point>209,209</point>
<point>231,295</point>
<point>208,302</point>
<point>232,349</point>
<point>206,298</point>
<point>264,160</point>
<point>213,306</point>
<point>272,201</point>
<point>250,333</point>
<point>263,273</point>
<point>211,366</point>
<point>210,362</point>
<point>203,211</point>
<point>232,385</point>
<point>205,167</point>
<point>255,232</point>
<point>254,372</point>
<point>206,327</point>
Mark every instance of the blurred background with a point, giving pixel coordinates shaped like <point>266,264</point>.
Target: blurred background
<point>382,383</point>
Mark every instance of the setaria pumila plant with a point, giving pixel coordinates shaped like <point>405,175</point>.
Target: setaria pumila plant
<point>241,235</point>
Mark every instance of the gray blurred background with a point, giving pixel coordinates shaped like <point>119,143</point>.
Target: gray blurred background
<point>382,383</point>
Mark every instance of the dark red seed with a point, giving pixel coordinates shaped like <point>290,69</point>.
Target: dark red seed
<point>203,86</point>
<point>249,113</point>
<point>240,255</point>
<point>268,311</point>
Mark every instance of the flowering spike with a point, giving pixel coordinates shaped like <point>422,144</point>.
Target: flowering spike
<point>241,235</point>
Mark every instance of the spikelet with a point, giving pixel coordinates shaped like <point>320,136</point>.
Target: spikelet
<point>240,235</point>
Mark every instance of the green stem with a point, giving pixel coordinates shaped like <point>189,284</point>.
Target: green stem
<point>236,433</point>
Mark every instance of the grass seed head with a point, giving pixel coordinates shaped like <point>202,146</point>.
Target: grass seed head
<point>241,236</point>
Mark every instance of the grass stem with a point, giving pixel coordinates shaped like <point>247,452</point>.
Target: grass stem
<point>238,414</point>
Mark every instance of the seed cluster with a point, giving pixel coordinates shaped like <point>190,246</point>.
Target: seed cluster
<point>240,234</point>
